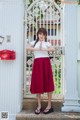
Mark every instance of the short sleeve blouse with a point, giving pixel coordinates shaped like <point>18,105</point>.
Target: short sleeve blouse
<point>39,54</point>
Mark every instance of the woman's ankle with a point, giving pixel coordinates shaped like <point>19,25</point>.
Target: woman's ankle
<point>48,106</point>
<point>39,107</point>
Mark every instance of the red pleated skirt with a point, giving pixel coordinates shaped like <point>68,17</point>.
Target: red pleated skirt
<point>42,76</point>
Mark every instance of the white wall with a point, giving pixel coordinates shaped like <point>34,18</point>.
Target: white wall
<point>78,37</point>
<point>11,72</point>
<point>71,97</point>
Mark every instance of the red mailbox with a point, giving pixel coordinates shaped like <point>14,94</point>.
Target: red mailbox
<point>7,55</point>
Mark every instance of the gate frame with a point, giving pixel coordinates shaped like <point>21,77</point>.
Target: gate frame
<point>25,38</point>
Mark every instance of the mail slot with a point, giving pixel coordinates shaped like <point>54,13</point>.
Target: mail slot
<point>7,55</point>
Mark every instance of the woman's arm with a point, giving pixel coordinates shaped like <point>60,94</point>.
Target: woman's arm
<point>31,48</point>
<point>49,49</point>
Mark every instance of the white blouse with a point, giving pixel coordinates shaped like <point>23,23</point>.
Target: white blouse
<point>39,54</point>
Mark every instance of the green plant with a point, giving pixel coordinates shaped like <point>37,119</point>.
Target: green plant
<point>78,2</point>
<point>57,77</point>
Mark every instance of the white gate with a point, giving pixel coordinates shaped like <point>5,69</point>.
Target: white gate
<point>47,14</point>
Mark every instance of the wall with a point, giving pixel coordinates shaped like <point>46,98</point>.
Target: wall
<point>78,37</point>
<point>11,72</point>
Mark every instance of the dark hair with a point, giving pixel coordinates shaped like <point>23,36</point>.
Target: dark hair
<point>41,30</point>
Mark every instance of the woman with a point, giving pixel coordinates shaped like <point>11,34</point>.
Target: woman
<point>42,77</point>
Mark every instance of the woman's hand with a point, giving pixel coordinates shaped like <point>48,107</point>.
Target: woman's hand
<point>40,45</point>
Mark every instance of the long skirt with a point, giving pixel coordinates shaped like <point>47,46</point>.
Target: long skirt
<point>42,76</point>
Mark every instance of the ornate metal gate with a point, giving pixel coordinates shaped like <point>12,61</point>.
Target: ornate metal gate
<point>47,14</point>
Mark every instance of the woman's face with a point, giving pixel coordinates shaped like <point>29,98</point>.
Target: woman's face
<point>41,37</point>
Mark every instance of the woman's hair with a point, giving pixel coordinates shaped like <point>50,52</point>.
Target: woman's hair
<point>41,30</point>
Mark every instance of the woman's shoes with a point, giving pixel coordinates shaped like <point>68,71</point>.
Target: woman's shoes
<point>48,111</point>
<point>38,111</point>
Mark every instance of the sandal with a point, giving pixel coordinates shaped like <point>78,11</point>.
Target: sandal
<point>38,111</point>
<point>48,111</point>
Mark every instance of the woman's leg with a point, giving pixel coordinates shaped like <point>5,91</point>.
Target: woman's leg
<point>39,100</point>
<point>49,101</point>
<point>38,110</point>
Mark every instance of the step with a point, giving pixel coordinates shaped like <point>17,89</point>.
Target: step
<point>29,115</point>
<point>31,104</point>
